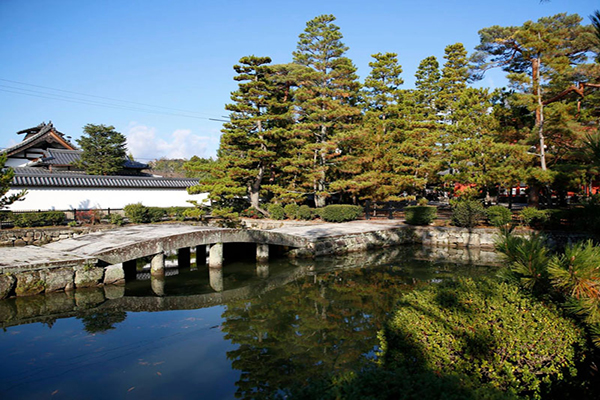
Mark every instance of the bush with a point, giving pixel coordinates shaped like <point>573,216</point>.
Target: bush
<point>252,213</point>
<point>499,215</point>
<point>87,217</point>
<point>276,211</point>
<point>156,214</point>
<point>136,213</point>
<point>291,210</point>
<point>340,212</point>
<point>467,213</point>
<point>483,332</point>
<point>420,215</point>
<point>531,216</point>
<point>177,213</point>
<point>116,219</point>
<point>38,219</point>
<point>305,213</point>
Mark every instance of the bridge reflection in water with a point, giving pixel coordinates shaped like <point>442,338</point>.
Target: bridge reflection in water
<point>195,285</point>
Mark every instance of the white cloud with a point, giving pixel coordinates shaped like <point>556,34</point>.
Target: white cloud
<point>145,143</point>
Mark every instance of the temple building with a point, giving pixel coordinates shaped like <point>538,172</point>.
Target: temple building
<point>45,164</point>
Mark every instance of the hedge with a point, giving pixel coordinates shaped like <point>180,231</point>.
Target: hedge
<point>38,218</point>
<point>305,212</point>
<point>340,212</point>
<point>420,215</point>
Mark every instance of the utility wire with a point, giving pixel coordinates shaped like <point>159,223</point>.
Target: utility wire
<point>102,97</point>
<point>94,103</point>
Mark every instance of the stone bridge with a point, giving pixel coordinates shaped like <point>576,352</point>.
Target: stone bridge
<point>130,243</point>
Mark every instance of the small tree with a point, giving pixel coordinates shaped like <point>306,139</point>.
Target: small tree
<point>6,175</point>
<point>104,150</point>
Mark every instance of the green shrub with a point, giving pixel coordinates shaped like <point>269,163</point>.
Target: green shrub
<point>467,213</point>
<point>420,215</point>
<point>499,215</point>
<point>340,212</point>
<point>527,260</point>
<point>276,211</point>
<point>44,218</point>
<point>252,213</point>
<point>116,219</point>
<point>483,332</point>
<point>291,210</point>
<point>531,216</point>
<point>156,214</point>
<point>177,213</point>
<point>305,213</point>
<point>136,213</point>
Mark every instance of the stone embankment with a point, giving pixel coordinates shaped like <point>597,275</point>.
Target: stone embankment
<point>40,236</point>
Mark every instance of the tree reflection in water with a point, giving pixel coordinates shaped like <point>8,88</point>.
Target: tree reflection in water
<point>316,326</point>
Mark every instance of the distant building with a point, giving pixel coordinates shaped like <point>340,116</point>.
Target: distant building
<point>44,164</point>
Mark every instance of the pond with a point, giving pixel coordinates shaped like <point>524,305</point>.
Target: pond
<point>270,328</point>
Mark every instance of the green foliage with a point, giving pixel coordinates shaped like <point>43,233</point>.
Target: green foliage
<point>467,213</point>
<point>499,215</point>
<point>531,216</point>
<point>305,212</point>
<point>136,213</point>
<point>340,212</point>
<point>6,176</point>
<point>104,150</point>
<point>576,273</point>
<point>276,211</point>
<point>45,218</point>
<point>422,201</point>
<point>72,224</point>
<point>156,214</point>
<point>291,210</point>
<point>197,212</point>
<point>420,215</point>
<point>325,103</point>
<point>116,219</point>
<point>484,333</point>
<point>527,259</point>
<point>252,213</point>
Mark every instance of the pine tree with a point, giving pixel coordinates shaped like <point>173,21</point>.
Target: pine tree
<point>454,78</point>
<point>326,105</point>
<point>104,150</point>
<point>251,140</point>
<point>533,54</point>
<point>379,170</point>
<point>427,87</point>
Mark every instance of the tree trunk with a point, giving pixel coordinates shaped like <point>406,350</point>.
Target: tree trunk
<point>539,112</point>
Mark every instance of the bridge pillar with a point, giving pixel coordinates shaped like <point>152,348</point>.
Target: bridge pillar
<point>215,257</point>
<point>157,265</point>
<point>183,257</point>
<point>262,252</point>
<point>215,278</point>
<point>158,285</point>
<point>200,255</point>
<point>262,270</point>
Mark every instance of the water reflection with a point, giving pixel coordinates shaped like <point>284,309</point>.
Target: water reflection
<point>273,326</point>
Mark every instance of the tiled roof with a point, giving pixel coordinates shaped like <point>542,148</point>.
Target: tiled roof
<point>43,130</point>
<point>36,177</point>
<point>70,157</point>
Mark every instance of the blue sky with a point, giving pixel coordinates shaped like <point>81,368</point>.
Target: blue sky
<point>161,68</point>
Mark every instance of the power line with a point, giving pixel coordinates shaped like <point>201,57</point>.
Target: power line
<point>102,97</point>
<point>99,104</point>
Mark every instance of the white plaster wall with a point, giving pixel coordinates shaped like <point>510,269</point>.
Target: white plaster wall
<point>85,198</point>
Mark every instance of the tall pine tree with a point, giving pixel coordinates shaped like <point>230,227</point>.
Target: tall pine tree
<point>325,104</point>
<point>251,140</point>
